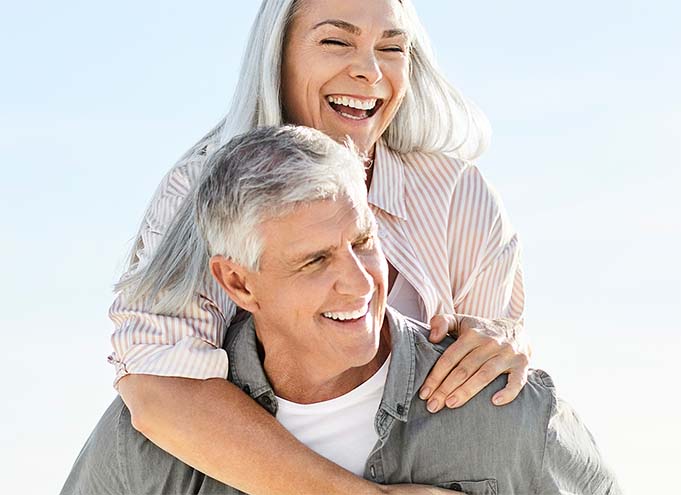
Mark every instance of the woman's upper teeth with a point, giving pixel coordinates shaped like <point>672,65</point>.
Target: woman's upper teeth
<point>351,315</point>
<point>352,102</point>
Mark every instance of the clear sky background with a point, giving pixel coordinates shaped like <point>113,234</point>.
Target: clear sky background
<point>98,100</point>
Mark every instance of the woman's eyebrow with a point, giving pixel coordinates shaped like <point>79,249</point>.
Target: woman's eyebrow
<point>352,29</point>
<point>391,33</point>
<point>344,25</point>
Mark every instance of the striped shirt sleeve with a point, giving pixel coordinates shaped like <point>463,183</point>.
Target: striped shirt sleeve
<point>189,344</point>
<point>487,276</point>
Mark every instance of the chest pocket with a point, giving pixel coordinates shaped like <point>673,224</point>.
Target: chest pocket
<point>482,487</point>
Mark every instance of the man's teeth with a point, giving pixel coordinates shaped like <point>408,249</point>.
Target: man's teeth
<point>353,102</point>
<point>352,315</point>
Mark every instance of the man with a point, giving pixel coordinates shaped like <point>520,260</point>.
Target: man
<point>285,218</point>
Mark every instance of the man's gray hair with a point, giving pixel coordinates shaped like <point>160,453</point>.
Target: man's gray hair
<point>256,176</point>
<point>264,174</point>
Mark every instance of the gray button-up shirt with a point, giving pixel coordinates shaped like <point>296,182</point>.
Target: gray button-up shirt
<point>535,445</point>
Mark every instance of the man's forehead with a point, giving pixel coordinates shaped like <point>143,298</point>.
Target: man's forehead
<point>315,226</point>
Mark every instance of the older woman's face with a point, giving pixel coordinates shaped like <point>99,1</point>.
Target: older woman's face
<point>346,68</point>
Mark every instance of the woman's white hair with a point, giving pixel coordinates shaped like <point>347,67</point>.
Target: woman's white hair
<point>434,117</point>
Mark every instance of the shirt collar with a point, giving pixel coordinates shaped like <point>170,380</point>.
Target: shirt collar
<point>246,370</point>
<point>387,183</point>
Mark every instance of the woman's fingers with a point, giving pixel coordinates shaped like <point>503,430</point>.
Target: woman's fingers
<point>443,367</point>
<point>441,326</point>
<point>477,358</point>
<point>485,375</point>
<point>517,378</point>
<point>474,371</point>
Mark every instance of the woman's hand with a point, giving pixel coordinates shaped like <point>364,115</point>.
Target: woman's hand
<point>484,349</point>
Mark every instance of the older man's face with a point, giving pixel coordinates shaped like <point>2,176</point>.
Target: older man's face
<point>321,288</point>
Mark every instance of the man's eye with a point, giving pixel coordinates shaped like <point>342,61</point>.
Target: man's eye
<point>334,42</point>
<point>317,261</point>
<point>366,243</point>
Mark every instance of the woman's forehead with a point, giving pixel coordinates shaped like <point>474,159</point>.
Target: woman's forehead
<point>386,14</point>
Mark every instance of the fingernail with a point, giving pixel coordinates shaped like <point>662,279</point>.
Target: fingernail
<point>433,405</point>
<point>498,400</point>
<point>424,393</point>
<point>452,402</point>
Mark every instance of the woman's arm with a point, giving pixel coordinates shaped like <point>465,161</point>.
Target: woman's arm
<point>216,428</point>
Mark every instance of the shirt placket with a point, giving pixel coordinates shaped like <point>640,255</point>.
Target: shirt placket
<point>373,469</point>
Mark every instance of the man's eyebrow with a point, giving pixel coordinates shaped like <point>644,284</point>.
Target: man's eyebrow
<point>367,230</point>
<point>300,258</point>
<point>352,29</point>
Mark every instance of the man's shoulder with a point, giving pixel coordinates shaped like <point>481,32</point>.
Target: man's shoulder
<point>421,331</point>
<point>531,409</point>
<point>478,436</point>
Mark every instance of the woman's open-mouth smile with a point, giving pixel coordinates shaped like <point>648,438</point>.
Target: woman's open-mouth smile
<point>354,108</point>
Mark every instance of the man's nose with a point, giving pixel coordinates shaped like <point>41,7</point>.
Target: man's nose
<point>353,277</point>
<point>366,68</point>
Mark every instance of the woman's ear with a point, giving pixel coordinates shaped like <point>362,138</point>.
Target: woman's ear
<point>233,278</point>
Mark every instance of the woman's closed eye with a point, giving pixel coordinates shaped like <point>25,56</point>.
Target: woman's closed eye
<point>334,42</point>
<point>393,49</point>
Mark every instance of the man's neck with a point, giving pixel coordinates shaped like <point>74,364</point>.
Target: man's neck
<point>295,382</point>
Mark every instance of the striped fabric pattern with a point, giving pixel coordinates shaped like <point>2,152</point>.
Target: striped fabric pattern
<point>441,226</point>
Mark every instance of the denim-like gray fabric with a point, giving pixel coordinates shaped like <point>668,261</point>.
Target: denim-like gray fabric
<point>535,445</point>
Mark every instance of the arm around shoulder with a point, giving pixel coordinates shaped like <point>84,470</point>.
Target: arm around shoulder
<point>214,427</point>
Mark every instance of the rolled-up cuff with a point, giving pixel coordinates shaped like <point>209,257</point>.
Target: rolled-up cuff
<point>188,358</point>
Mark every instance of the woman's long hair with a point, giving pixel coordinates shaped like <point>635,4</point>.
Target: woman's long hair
<point>433,117</point>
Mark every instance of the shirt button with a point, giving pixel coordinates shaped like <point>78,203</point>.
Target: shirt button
<point>382,234</point>
<point>400,409</point>
<point>372,470</point>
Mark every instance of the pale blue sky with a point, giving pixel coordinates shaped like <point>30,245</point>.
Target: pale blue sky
<point>99,100</point>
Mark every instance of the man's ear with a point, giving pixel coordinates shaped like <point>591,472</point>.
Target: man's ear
<point>233,278</point>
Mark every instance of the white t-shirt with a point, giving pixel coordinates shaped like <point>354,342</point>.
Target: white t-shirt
<point>340,429</point>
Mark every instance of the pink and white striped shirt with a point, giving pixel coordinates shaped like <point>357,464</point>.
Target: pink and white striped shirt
<point>442,227</point>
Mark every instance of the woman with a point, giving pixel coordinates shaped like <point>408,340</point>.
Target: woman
<point>351,69</point>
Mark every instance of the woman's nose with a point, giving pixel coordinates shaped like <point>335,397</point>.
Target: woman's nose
<point>366,68</point>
